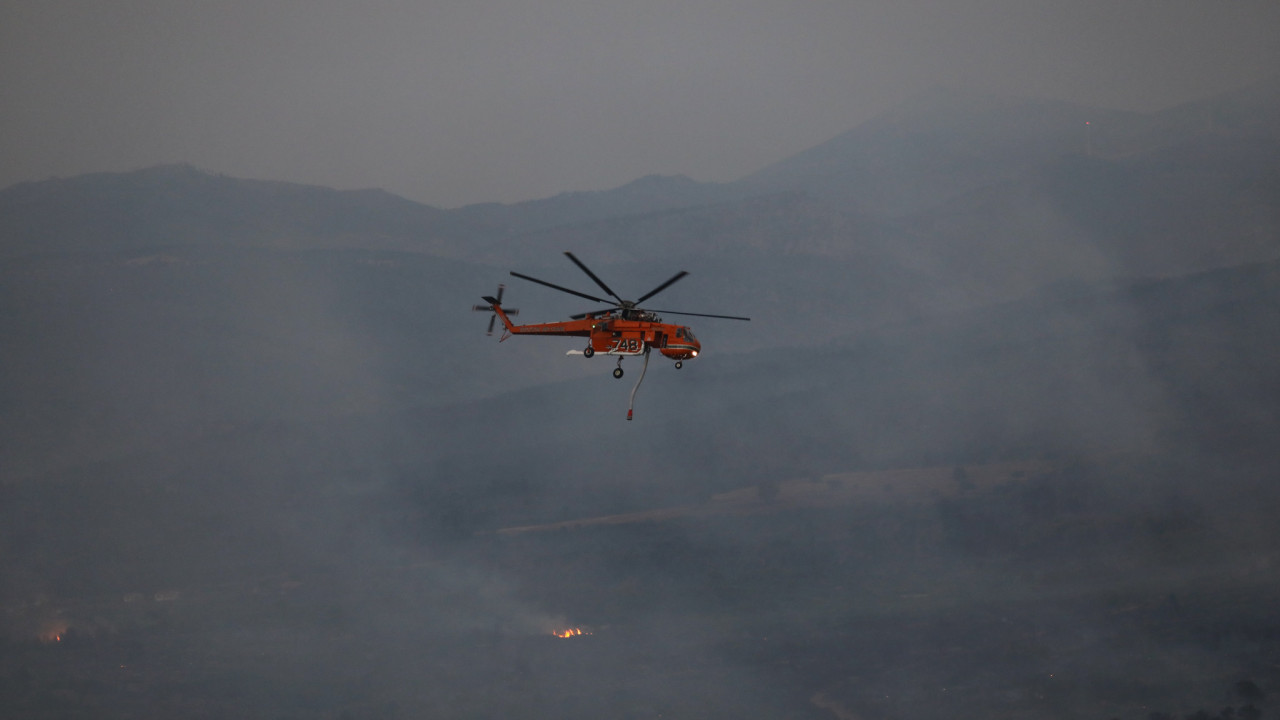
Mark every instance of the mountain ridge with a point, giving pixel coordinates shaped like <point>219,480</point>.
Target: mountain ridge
<point>912,160</point>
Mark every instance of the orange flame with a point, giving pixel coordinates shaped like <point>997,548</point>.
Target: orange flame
<point>571,632</point>
<point>52,632</point>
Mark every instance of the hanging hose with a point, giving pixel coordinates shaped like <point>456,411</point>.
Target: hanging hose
<point>637,387</point>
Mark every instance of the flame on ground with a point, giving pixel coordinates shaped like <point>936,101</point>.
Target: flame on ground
<point>52,632</point>
<point>569,632</point>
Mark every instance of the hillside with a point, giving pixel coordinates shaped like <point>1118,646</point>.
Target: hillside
<point>1005,412</point>
<point>1005,202</point>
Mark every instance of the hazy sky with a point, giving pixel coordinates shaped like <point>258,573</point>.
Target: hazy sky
<point>453,102</point>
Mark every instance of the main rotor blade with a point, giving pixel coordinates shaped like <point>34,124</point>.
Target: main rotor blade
<point>661,287</point>
<point>561,289</point>
<point>592,275</point>
<point>722,317</point>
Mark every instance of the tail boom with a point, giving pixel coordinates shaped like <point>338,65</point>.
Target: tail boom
<point>496,306</point>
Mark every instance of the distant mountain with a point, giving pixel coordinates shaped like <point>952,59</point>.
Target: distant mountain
<point>652,193</point>
<point>922,182</point>
<point>982,198</point>
<point>946,204</point>
<point>1249,111</point>
<point>243,423</point>
<point>1208,201</point>
<point>944,144</point>
<point>951,196</point>
<point>179,206</point>
<point>936,146</point>
<point>212,383</point>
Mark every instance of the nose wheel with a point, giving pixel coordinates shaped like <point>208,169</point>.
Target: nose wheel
<point>617,372</point>
<point>679,364</point>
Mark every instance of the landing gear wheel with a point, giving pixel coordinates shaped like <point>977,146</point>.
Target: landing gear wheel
<point>679,364</point>
<point>617,372</point>
<point>588,352</point>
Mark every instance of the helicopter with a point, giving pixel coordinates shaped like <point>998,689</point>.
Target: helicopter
<point>622,330</point>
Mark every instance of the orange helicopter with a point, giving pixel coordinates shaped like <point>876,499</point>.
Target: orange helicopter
<point>622,330</point>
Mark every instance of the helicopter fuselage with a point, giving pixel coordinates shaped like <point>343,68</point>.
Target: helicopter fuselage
<point>613,335</point>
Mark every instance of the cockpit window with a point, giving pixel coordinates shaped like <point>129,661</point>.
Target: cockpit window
<point>689,334</point>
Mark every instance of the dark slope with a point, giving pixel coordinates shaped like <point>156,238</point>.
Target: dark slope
<point>1181,369</point>
<point>107,355</point>
<point>179,300</point>
<point>179,206</point>
<point>1179,366</point>
<point>246,477</point>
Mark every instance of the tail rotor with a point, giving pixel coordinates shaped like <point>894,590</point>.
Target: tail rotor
<point>494,301</point>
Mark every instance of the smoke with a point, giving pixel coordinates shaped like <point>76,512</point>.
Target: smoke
<point>961,458</point>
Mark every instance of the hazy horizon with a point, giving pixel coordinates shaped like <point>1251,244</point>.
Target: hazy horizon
<point>998,440</point>
<point>452,105</point>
